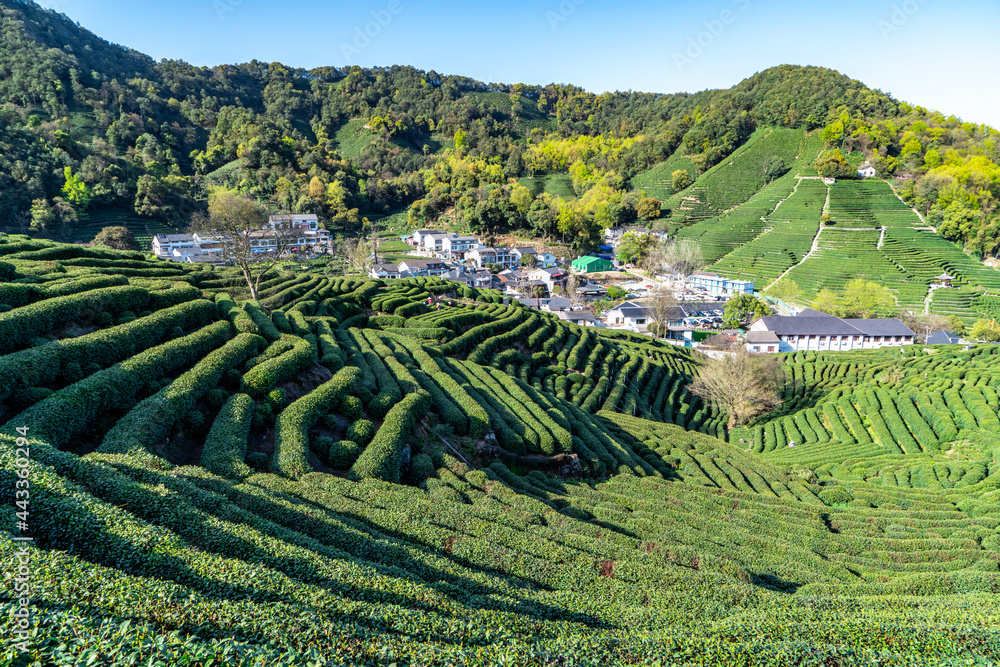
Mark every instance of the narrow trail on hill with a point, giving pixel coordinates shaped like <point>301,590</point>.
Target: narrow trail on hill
<point>815,243</point>
<point>918,213</point>
<point>930,297</point>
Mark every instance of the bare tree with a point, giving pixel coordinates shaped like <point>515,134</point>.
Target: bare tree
<point>21,222</point>
<point>744,384</point>
<point>662,306</point>
<point>374,228</point>
<point>683,256</point>
<point>240,226</point>
<point>357,254</point>
<point>924,324</point>
<point>572,287</point>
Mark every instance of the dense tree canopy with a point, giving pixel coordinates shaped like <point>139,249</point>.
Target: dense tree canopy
<point>344,143</point>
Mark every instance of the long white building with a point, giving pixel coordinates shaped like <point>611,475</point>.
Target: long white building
<point>822,332</point>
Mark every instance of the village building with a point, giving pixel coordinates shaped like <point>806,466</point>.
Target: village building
<point>552,278</point>
<point>716,284</point>
<point>591,264</point>
<point>456,247</point>
<point>390,271</point>
<point>165,244</point>
<point>584,318</point>
<point>421,267</point>
<point>813,330</point>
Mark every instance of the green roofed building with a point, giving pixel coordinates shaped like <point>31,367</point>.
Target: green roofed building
<point>588,264</point>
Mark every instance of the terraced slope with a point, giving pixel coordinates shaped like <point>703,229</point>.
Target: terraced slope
<point>352,472</point>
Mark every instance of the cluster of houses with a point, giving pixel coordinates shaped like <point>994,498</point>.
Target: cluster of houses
<point>464,259</point>
<point>208,248</point>
<point>469,250</point>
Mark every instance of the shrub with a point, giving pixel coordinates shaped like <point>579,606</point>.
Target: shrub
<point>20,325</point>
<point>259,461</point>
<point>834,495</point>
<point>351,407</point>
<point>67,413</point>
<point>342,454</point>
<point>72,372</point>
<point>383,457</point>
<point>216,398</point>
<point>421,468</point>
<point>264,376</point>
<point>152,418</point>
<point>262,321</point>
<point>104,319</point>
<point>321,445</point>
<point>291,433</point>
<point>194,422</point>
<point>361,431</point>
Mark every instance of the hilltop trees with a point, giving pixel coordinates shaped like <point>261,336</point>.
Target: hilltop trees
<point>985,331</point>
<point>832,164</point>
<point>634,248</point>
<point>680,179</point>
<point>743,384</point>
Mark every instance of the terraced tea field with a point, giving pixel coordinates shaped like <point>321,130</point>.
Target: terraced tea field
<point>359,472</point>
<point>788,238</point>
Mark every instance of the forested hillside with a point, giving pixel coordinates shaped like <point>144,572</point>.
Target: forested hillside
<point>89,126</point>
<point>359,472</point>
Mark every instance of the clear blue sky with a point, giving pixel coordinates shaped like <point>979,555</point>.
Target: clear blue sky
<point>938,54</point>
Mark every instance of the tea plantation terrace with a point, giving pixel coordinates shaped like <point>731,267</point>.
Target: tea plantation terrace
<point>344,473</point>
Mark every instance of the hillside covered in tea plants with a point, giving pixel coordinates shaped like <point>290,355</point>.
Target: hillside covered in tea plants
<point>357,472</point>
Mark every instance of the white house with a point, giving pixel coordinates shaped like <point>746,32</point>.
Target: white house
<point>716,284</point>
<point>304,221</point>
<point>267,241</point>
<point>551,277</point>
<point>421,267</point>
<point>456,247</point>
<point>434,243</point>
<point>584,318</point>
<point>821,332</point>
<point>384,271</point>
<point>629,315</point>
<point>418,236</point>
<point>866,171</point>
<point>165,244</point>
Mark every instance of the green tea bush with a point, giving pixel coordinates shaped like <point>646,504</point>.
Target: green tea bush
<point>291,441</point>
<point>342,454</point>
<point>152,418</point>
<point>382,458</point>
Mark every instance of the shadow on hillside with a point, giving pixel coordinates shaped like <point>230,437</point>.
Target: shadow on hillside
<point>773,583</point>
<point>351,537</point>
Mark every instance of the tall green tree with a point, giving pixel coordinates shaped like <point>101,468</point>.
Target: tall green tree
<point>743,309</point>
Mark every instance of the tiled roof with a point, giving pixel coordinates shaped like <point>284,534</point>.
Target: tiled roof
<point>758,337</point>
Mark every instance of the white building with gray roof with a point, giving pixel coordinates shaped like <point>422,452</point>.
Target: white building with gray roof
<point>822,332</point>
